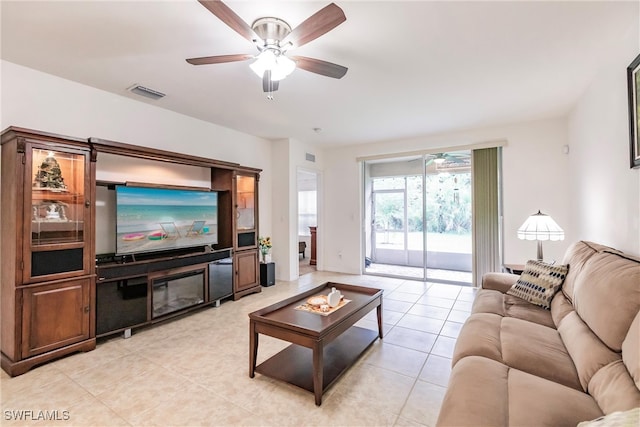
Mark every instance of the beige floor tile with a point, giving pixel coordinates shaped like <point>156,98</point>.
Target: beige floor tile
<point>410,338</point>
<point>441,292</point>
<point>371,385</point>
<point>395,358</point>
<point>423,404</point>
<point>444,346</point>
<point>31,382</point>
<point>421,323</point>
<point>436,301</point>
<point>436,370</point>
<point>391,317</point>
<point>56,396</point>
<point>143,392</point>
<point>110,374</point>
<point>451,329</point>
<point>104,353</point>
<point>399,295</point>
<point>403,422</point>
<point>399,306</point>
<point>196,406</point>
<point>462,305</point>
<point>429,311</point>
<point>458,316</point>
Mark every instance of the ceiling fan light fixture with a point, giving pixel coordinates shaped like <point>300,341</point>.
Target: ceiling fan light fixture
<point>439,159</point>
<point>280,65</point>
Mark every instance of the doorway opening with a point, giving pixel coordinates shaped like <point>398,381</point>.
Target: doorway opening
<point>307,220</point>
<point>419,212</point>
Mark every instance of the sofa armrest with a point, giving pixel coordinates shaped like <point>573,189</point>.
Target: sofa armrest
<point>499,281</point>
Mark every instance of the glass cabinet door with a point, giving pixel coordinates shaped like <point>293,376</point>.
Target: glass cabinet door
<point>246,195</point>
<point>57,212</point>
<point>57,197</point>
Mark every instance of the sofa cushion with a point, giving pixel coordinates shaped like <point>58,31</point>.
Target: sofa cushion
<point>486,392</point>
<point>616,386</point>
<point>607,296</point>
<point>575,257</point>
<point>496,302</point>
<point>631,351</point>
<point>588,353</point>
<point>499,281</point>
<point>519,344</point>
<point>539,282</point>
<point>560,308</point>
<point>613,389</point>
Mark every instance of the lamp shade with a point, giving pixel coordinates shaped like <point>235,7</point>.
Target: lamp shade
<point>540,227</point>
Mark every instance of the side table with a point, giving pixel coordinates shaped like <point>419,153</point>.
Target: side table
<point>514,268</point>
<point>268,274</point>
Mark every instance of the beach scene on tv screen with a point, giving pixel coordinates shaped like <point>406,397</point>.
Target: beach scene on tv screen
<point>156,219</point>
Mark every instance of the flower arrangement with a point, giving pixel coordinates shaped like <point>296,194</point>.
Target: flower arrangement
<point>264,244</point>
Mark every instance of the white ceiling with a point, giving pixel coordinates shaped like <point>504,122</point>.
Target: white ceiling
<point>415,68</point>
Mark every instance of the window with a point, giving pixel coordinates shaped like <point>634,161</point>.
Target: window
<point>307,211</point>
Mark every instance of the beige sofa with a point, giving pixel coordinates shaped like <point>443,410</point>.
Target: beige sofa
<point>519,364</point>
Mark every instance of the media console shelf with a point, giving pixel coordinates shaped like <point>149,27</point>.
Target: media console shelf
<point>134,294</point>
<point>54,298</point>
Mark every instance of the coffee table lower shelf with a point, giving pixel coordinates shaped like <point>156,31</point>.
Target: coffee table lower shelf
<point>294,364</point>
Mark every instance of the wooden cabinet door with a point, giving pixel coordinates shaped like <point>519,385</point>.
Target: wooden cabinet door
<point>247,273</point>
<point>55,315</point>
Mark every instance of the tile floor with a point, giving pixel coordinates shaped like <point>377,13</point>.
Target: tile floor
<point>193,371</point>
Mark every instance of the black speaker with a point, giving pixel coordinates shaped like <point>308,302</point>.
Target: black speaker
<point>53,262</point>
<point>268,274</point>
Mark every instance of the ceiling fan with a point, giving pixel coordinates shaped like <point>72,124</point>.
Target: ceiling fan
<point>440,158</point>
<point>274,37</point>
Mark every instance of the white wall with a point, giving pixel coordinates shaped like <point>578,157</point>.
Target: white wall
<point>288,156</point>
<point>605,191</point>
<point>535,174</point>
<point>40,101</point>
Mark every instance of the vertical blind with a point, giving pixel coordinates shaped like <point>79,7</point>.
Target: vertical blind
<point>486,212</point>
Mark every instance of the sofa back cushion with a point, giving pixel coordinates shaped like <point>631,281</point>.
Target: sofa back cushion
<point>606,295</point>
<point>631,351</point>
<point>575,257</point>
<point>616,386</point>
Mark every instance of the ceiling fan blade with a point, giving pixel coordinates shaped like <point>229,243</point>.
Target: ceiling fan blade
<point>269,85</point>
<point>323,21</point>
<point>319,66</point>
<point>229,17</point>
<point>219,59</point>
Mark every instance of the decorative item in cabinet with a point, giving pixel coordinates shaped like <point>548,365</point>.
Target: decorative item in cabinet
<point>245,202</point>
<point>57,203</point>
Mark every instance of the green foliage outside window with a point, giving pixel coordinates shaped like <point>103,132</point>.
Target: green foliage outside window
<point>448,204</point>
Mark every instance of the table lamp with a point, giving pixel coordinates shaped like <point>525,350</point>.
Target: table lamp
<point>540,227</point>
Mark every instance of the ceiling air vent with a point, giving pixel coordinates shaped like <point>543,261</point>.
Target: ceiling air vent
<point>146,92</point>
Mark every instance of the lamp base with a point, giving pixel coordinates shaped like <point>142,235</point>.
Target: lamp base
<point>540,250</point>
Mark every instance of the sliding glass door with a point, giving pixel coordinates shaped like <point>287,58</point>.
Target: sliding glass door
<point>420,214</point>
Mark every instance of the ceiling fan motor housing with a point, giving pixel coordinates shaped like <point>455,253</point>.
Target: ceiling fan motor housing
<point>271,30</point>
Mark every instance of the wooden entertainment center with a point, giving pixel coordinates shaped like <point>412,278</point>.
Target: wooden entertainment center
<point>58,295</point>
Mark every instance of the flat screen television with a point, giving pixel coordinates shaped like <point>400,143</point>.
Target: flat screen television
<point>152,219</point>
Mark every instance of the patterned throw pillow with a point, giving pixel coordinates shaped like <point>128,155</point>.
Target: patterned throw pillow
<point>539,282</point>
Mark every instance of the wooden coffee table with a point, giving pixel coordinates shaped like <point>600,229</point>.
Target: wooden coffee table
<point>323,347</point>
